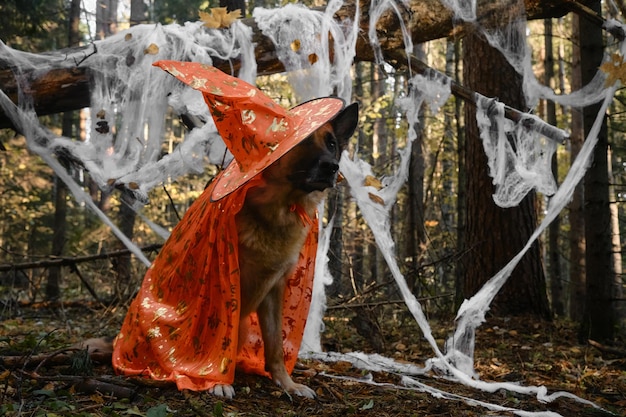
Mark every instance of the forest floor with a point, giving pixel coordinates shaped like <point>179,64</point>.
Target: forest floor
<point>40,376</point>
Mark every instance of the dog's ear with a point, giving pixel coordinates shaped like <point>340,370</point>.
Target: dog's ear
<point>344,124</point>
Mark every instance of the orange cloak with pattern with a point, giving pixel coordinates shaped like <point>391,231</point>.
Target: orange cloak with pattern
<point>183,325</point>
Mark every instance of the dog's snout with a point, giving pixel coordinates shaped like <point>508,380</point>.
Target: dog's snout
<point>329,167</point>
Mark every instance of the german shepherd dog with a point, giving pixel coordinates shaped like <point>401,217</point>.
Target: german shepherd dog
<point>271,235</point>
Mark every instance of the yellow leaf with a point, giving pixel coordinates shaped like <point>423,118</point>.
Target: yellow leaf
<point>152,49</point>
<point>615,70</point>
<point>372,182</point>
<point>296,45</point>
<point>218,17</point>
<point>97,398</point>
<point>376,199</point>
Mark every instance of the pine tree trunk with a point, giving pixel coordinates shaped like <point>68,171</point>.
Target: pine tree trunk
<point>335,253</point>
<point>494,235</point>
<point>599,317</point>
<point>616,242</point>
<point>379,162</point>
<point>106,18</point>
<point>576,217</point>
<point>138,12</point>
<point>415,233</point>
<point>126,223</point>
<point>554,248</point>
<point>461,198</point>
<point>53,290</point>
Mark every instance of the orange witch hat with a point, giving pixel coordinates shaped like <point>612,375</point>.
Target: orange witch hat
<point>256,130</point>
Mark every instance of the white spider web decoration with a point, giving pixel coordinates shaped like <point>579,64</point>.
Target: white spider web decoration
<point>130,99</point>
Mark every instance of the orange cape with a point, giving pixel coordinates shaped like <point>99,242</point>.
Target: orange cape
<point>183,325</point>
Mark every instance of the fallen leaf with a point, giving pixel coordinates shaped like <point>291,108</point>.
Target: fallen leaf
<point>296,45</point>
<point>312,59</point>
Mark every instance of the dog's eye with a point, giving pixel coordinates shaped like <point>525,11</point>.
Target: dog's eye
<point>331,142</point>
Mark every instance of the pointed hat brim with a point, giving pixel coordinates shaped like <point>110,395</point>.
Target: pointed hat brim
<point>233,94</point>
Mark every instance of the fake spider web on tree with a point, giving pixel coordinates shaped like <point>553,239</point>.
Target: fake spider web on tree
<point>129,100</point>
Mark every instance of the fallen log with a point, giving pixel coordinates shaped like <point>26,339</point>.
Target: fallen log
<point>65,86</point>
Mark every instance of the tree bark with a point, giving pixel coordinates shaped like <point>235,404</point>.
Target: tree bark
<point>554,248</point>
<point>599,317</point>
<point>53,291</point>
<point>576,236</point>
<point>106,18</point>
<point>494,235</point>
<point>66,86</point>
<point>126,222</point>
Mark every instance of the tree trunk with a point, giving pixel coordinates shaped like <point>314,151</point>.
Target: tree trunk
<point>554,248</point>
<point>106,18</point>
<point>494,235</point>
<point>53,291</point>
<point>577,244</point>
<point>416,235</point>
<point>599,316</point>
<point>126,223</point>
<point>449,169</point>
<point>461,198</point>
<point>138,12</point>
<point>335,252</point>
<point>616,242</point>
<point>379,158</point>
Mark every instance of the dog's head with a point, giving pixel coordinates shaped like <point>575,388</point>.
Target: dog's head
<point>313,164</point>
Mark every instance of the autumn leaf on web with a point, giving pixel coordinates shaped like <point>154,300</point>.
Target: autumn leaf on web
<point>371,181</point>
<point>615,69</point>
<point>218,17</point>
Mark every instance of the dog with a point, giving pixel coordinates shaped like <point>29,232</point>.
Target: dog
<point>271,235</point>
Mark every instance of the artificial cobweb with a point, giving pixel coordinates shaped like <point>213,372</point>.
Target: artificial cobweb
<point>129,101</point>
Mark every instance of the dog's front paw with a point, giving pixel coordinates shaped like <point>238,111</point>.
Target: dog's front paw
<point>223,390</point>
<point>302,390</point>
<point>285,382</point>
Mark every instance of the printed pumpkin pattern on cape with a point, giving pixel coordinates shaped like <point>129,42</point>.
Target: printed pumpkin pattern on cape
<point>183,325</point>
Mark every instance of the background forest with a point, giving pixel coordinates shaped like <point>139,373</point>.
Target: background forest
<point>450,237</point>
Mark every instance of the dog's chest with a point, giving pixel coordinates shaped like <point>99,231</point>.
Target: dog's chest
<point>274,240</point>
